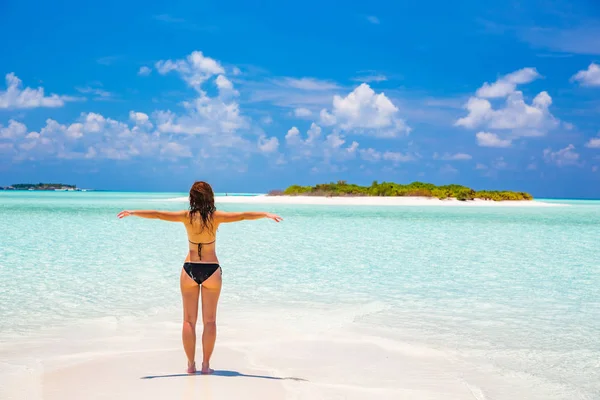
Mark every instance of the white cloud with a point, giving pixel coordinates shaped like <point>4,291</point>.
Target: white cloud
<point>138,117</point>
<point>373,155</point>
<point>204,114</point>
<point>14,130</point>
<point>225,86</point>
<point>521,118</point>
<point>100,93</point>
<point>364,111</point>
<point>302,112</point>
<point>267,120</point>
<point>593,143</point>
<point>292,135</point>
<point>398,157</point>
<point>508,83</point>
<point>481,166</point>
<point>176,150</point>
<point>144,71</point>
<point>452,157</point>
<point>314,146</point>
<point>488,139</point>
<point>373,19</point>
<point>16,97</point>
<point>563,157</point>
<point>141,120</point>
<point>516,118</point>
<point>370,78</point>
<point>92,136</point>
<point>370,154</point>
<point>291,93</point>
<point>311,84</point>
<point>589,76</point>
<point>223,83</point>
<point>195,69</point>
<point>268,145</point>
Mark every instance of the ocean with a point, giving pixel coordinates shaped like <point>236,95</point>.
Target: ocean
<point>505,300</point>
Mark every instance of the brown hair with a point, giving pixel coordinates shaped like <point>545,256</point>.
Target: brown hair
<point>202,204</point>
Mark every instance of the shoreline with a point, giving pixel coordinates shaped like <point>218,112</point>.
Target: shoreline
<point>372,201</point>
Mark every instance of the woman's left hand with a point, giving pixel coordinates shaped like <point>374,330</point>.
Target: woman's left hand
<point>124,214</point>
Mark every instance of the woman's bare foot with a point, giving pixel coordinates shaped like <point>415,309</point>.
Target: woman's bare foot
<point>206,370</point>
<point>191,368</point>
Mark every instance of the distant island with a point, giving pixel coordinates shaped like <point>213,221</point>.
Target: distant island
<point>61,187</point>
<point>391,189</point>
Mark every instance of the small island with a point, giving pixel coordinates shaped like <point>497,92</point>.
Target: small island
<point>391,189</point>
<point>57,187</point>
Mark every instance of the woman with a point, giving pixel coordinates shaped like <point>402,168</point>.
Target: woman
<point>201,270</point>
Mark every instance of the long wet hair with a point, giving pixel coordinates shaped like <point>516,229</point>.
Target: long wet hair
<point>202,205</point>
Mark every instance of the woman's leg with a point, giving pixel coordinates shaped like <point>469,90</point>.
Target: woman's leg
<point>190,291</point>
<point>211,289</point>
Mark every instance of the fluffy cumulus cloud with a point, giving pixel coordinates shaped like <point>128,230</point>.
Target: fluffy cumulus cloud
<point>507,84</point>
<point>268,145</point>
<point>563,157</point>
<point>144,71</point>
<point>364,111</point>
<point>208,125</point>
<point>204,114</point>
<point>511,117</point>
<point>316,146</point>
<point>589,76</point>
<point>302,112</point>
<point>594,143</point>
<point>14,130</point>
<point>91,136</point>
<point>17,97</point>
<point>488,139</point>
<point>195,69</point>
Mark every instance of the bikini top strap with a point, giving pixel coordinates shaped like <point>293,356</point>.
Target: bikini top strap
<point>201,242</point>
<point>200,246</point>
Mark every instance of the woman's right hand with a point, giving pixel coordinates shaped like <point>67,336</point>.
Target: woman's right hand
<point>274,217</point>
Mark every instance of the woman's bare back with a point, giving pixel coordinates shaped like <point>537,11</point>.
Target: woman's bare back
<point>201,241</point>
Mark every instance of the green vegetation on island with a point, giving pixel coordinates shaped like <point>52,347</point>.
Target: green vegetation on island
<point>41,186</point>
<point>415,189</point>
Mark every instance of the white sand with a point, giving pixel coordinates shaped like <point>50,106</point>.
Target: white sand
<point>304,357</point>
<point>300,369</point>
<point>372,201</point>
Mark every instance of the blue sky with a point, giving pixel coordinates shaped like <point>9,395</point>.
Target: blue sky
<point>252,97</point>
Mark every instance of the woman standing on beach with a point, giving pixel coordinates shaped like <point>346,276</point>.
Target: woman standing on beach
<point>201,272</point>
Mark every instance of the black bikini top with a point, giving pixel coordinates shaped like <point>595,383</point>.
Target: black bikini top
<point>200,247</point>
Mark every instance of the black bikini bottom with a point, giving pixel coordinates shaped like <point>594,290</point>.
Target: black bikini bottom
<point>200,272</point>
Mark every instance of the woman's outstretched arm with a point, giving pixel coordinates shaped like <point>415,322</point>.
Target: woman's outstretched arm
<point>172,216</point>
<point>224,217</point>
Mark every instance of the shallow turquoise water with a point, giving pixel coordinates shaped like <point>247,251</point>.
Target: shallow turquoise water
<point>512,289</point>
